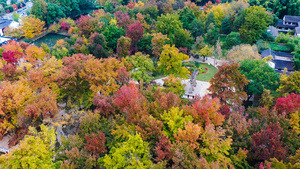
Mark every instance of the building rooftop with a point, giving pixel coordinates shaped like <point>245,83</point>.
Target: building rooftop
<point>281,25</point>
<point>280,59</point>
<point>289,18</point>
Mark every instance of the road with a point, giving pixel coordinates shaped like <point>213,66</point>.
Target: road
<point>21,12</point>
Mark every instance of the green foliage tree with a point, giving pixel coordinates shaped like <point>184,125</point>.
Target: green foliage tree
<point>186,16</point>
<point>36,151</point>
<point>231,40</point>
<point>170,62</point>
<point>212,34</point>
<point>260,75</point>
<point>39,9</point>
<point>196,28</point>
<point>54,12</point>
<point>170,25</point>
<point>15,17</point>
<point>296,58</point>
<point>256,23</point>
<point>143,66</point>
<point>112,33</point>
<point>133,153</point>
<point>225,27</point>
<point>210,19</point>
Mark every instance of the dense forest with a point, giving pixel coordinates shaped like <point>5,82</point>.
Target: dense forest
<point>91,101</point>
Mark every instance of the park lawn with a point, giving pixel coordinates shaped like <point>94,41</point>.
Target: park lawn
<point>209,74</point>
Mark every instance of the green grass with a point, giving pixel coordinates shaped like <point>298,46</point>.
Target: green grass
<point>276,47</point>
<point>209,74</point>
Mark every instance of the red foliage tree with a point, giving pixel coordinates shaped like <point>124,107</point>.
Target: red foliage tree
<point>163,149</point>
<point>95,144</point>
<point>205,111</point>
<point>288,104</point>
<point>9,56</point>
<point>65,26</point>
<point>123,19</point>
<point>164,101</point>
<point>130,101</point>
<point>150,129</point>
<point>103,105</point>
<point>135,32</point>
<point>123,76</point>
<point>86,25</point>
<point>268,143</point>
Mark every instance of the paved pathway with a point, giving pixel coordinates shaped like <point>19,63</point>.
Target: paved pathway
<point>200,89</point>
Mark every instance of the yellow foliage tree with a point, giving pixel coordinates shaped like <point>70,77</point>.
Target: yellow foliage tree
<point>170,62</point>
<point>32,26</point>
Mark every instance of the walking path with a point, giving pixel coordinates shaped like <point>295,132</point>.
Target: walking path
<point>200,88</point>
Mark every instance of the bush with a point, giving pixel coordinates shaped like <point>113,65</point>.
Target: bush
<point>262,45</point>
<point>282,38</point>
<point>9,9</point>
<point>267,36</point>
<point>15,17</point>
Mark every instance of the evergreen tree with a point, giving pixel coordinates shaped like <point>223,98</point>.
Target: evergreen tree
<point>225,26</point>
<point>210,19</point>
<point>212,34</point>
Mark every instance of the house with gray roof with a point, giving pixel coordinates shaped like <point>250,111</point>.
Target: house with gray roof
<point>289,23</point>
<point>280,61</point>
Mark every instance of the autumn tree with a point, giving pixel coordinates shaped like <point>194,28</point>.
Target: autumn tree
<point>32,26</point>
<point>135,33</point>
<point>288,104</point>
<point>163,149</point>
<point>133,153</point>
<point>289,84</point>
<point>13,98</point>
<point>205,111</point>
<point>228,84</point>
<point>98,46</point>
<point>86,25</point>
<point>170,62</point>
<point>95,144</point>
<point>123,19</point>
<point>173,84</point>
<point>123,46</point>
<point>174,120</point>
<point>190,134</point>
<point>130,102</point>
<point>158,41</point>
<point>242,52</point>
<point>36,150</point>
<point>143,67</point>
<point>214,147</point>
<point>72,84</point>
<point>268,143</point>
